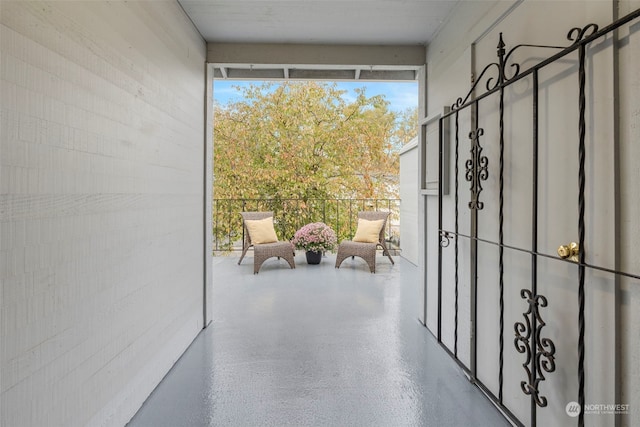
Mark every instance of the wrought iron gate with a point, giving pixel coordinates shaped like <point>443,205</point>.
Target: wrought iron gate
<point>462,241</point>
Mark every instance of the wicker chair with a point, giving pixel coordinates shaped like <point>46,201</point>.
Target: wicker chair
<point>264,251</point>
<point>366,251</point>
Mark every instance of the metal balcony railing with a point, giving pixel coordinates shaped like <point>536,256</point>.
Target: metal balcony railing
<point>291,214</point>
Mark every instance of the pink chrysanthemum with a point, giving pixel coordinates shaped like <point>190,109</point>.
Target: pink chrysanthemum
<point>317,237</point>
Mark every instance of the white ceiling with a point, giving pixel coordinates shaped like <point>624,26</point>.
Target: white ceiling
<point>392,24</point>
<point>366,22</point>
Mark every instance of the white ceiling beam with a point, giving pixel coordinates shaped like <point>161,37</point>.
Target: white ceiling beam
<point>310,74</point>
<point>348,55</point>
<point>321,73</point>
<point>255,73</point>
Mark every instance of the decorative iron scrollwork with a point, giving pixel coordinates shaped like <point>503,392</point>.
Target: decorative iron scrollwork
<point>445,238</point>
<point>496,72</point>
<point>477,168</point>
<point>537,349</point>
<point>576,35</point>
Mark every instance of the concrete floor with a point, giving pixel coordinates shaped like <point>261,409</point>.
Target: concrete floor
<point>316,346</point>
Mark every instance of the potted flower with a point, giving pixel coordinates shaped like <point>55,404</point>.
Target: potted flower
<point>315,238</point>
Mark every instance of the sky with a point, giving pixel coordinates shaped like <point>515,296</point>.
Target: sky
<point>401,95</point>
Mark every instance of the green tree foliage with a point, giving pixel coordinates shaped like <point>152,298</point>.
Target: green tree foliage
<point>406,127</point>
<point>303,140</point>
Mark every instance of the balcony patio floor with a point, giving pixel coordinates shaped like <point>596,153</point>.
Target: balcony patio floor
<point>316,346</point>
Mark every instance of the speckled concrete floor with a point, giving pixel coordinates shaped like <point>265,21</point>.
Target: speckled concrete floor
<point>316,346</point>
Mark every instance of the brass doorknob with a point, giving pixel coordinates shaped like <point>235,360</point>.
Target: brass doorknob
<point>569,251</point>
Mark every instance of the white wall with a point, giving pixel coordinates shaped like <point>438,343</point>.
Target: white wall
<point>101,204</point>
<point>629,227</point>
<point>452,58</point>
<point>409,201</point>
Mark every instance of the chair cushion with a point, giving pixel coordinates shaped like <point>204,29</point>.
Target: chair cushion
<point>261,230</point>
<point>368,231</point>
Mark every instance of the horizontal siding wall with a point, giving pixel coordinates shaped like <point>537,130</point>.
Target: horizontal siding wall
<point>101,204</point>
<point>409,194</point>
<point>629,227</point>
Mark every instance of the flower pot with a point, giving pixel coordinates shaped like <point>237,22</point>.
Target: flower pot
<point>314,257</point>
